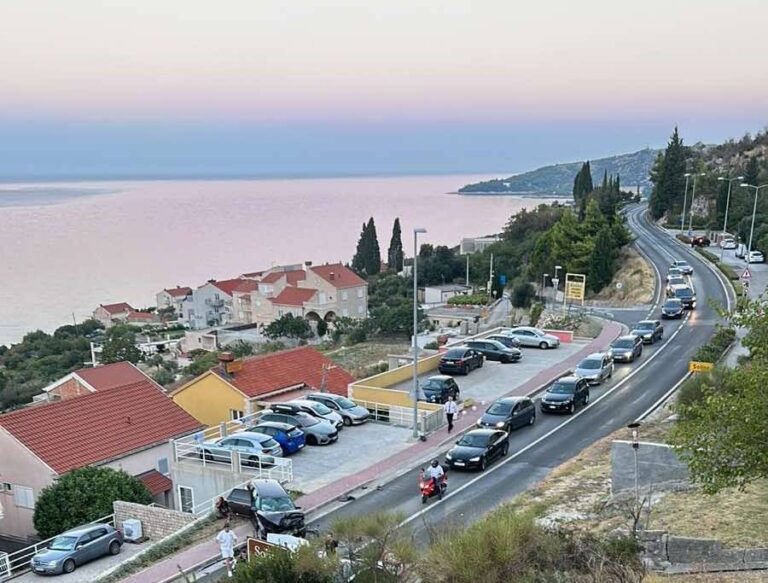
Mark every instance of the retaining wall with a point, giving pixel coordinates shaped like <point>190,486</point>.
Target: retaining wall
<point>659,467</point>
<point>156,522</point>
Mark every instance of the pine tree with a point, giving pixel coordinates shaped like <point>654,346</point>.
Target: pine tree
<point>395,252</point>
<point>359,260</point>
<point>373,253</point>
<point>752,172</point>
<point>669,179</point>
<point>582,187</point>
<point>600,267</point>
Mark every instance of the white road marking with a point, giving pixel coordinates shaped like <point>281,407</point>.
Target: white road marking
<point>664,397</point>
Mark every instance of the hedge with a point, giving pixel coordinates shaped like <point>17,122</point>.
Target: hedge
<point>468,300</point>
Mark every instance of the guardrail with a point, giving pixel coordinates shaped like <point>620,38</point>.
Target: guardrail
<point>429,421</point>
<point>17,562</point>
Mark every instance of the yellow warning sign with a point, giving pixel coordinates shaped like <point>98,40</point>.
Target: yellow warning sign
<point>696,366</point>
<point>575,286</point>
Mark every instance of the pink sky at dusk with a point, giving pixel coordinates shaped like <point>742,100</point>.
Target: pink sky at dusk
<point>371,60</point>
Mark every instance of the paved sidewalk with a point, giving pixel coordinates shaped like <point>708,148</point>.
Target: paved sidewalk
<point>387,468</point>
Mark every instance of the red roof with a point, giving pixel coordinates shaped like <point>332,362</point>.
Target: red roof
<point>293,296</point>
<point>260,375</point>
<point>338,275</point>
<point>145,316</point>
<point>155,482</point>
<point>99,426</point>
<point>227,285</point>
<point>253,274</point>
<point>291,277</point>
<point>247,286</point>
<point>117,308</point>
<point>178,292</point>
<point>112,375</point>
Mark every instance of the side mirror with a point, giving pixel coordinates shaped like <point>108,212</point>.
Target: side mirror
<point>297,507</point>
<point>457,442</point>
<point>422,469</point>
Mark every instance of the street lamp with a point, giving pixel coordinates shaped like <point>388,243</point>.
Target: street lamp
<point>544,277</point>
<point>754,211</point>
<point>685,200</point>
<point>727,204</point>
<point>555,282</point>
<point>634,426</point>
<point>693,197</point>
<point>415,332</point>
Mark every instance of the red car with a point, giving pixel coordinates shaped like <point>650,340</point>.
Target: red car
<point>700,241</point>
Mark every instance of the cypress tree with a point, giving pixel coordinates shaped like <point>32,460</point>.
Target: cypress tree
<point>372,251</point>
<point>359,259</point>
<point>395,252</point>
<point>582,187</point>
<point>669,180</point>
<point>752,172</point>
<point>600,266</point>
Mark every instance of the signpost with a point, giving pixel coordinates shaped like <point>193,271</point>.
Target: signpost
<point>697,366</point>
<point>747,274</point>
<point>575,287</point>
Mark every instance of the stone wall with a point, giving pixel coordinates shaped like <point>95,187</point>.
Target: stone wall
<point>666,551</point>
<point>659,468</point>
<point>156,522</point>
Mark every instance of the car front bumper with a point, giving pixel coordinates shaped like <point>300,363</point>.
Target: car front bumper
<point>462,464</point>
<point>622,357</point>
<point>46,570</point>
<point>452,368</point>
<point>562,407</point>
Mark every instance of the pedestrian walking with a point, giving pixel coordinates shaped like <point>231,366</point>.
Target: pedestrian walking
<point>227,540</point>
<point>450,409</point>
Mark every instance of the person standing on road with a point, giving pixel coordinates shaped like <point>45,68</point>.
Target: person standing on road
<point>227,540</point>
<point>450,409</point>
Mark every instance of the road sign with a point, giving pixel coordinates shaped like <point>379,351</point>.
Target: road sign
<point>696,366</point>
<point>747,274</point>
<point>575,286</point>
<point>503,279</point>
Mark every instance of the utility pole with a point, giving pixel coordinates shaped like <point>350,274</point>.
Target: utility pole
<point>490,277</point>
<point>467,269</point>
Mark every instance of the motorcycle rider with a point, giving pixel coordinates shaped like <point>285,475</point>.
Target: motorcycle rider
<point>435,473</point>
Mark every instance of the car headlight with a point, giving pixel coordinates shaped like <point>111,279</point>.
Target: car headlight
<point>475,459</point>
<point>448,456</point>
<point>500,424</point>
<point>51,563</point>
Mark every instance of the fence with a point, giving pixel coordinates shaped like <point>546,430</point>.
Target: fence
<point>403,416</point>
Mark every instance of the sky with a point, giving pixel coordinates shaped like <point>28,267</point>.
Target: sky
<point>273,87</point>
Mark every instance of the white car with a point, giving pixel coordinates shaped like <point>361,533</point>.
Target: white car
<point>529,336</point>
<point>728,244</point>
<point>756,257</point>
<point>683,266</point>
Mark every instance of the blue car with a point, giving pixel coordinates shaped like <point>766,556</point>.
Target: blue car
<point>290,438</point>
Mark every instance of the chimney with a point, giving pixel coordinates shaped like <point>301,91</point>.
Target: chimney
<point>225,359</point>
<point>307,264</point>
<point>332,276</point>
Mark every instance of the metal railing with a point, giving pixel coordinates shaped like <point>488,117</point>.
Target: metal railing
<point>429,421</point>
<point>17,562</point>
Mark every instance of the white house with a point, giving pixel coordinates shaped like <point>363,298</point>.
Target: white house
<point>210,304</point>
<point>440,294</point>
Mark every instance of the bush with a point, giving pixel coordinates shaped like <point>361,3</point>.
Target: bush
<point>535,315</point>
<point>357,335</point>
<point>713,350</point>
<point>468,300</point>
<point>522,294</point>
<point>431,345</point>
<point>728,271</point>
<point>709,255</point>
<point>684,239</point>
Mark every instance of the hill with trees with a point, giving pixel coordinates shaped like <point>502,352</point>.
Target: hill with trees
<point>557,179</point>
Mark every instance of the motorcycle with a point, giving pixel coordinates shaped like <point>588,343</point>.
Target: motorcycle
<point>427,486</point>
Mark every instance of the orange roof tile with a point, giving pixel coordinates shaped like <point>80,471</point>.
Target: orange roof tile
<point>338,275</point>
<point>178,291</point>
<point>227,285</point>
<point>113,375</point>
<point>117,308</point>
<point>155,482</point>
<point>246,286</point>
<point>293,296</point>
<point>99,426</point>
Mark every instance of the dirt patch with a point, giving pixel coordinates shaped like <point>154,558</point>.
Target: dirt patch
<point>366,358</point>
<point>740,577</point>
<point>637,279</point>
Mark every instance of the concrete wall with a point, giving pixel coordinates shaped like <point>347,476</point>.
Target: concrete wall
<point>156,522</point>
<point>209,399</point>
<point>393,377</point>
<point>659,467</point>
<point>207,482</point>
<point>665,549</point>
<point>144,460</point>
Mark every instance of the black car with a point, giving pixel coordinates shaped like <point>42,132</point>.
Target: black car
<point>649,330</point>
<point>686,296</point>
<point>672,308</point>
<point>627,348</point>
<point>507,341</point>
<point>477,448</point>
<point>508,413</point>
<point>460,360</point>
<point>565,395</point>
<point>438,388</point>
<point>493,350</point>
<point>269,507</point>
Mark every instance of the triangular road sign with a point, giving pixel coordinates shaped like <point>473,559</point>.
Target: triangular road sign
<point>747,274</point>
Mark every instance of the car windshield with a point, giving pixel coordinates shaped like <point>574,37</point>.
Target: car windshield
<point>499,409</point>
<point>672,304</point>
<point>454,353</point>
<point>63,543</point>
<point>320,409</point>
<point>682,264</point>
<point>276,504</point>
<point>470,440</point>
<point>623,344</point>
<point>676,280</point>
<point>644,326</point>
<point>268,443</point>
<point>345,403</point>
<point>589,363</point>
<point>684,292</point>
<point>563,388</point>
<point>432,384</point>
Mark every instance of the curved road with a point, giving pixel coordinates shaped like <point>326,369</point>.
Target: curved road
<point>535,451</point>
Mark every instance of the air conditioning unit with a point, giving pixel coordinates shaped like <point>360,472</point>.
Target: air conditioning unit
<point>132,530</point>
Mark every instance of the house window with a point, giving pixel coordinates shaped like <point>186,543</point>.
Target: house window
<point>162,466</point>
<point>234,414</point>
<point>359,292</point>
<point>6,487</point>
<point>186,499</point>
<point>24,497</point>
<point>344,296</point>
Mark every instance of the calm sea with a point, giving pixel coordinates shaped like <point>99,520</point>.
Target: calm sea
<point>65,248</point>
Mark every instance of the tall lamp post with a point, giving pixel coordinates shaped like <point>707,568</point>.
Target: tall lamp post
<point>685,200</point>
<point>555,282</point>
<point>544,277</point>
<point>416,331</point>
<point>754,211</point>
<point>634,426</point>
<point>693,197</point>
<point>727,205</point>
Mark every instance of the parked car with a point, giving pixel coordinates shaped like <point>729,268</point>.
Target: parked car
<point>701,241</point>
<point>269,507</point>
<point>627,348</point>
<point>76,547</point>
<point>477,448</point>
<point>674,273</point>
<point>728,243</point>
<point>320,411</point>
<point>317,431</point>
<point>756,257</point>
<point>351,413</point>
<point>256,449</point>
<point>565,395</point>
<point>674,281</point>
<point>438,388</point>
<point>683,266</point>
<point>529,336</point>
<point>672,308</point>
<point>686,295</point>
<point>595,368</point>
<point>649,330</point>
<point>493,350</point>
<point>461,360</point>
<point>507,341</point>
<point>741,250</point>
<point>508,413</point>
<point>290,438</point>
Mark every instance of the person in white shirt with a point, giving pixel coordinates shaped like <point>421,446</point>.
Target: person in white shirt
<point>227,540</point>
<point>435,473</point>
<point>450,409</point>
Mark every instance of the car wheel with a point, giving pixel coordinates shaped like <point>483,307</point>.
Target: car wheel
<point>480,363</point>
<point>114,548</point>
<point>532,419</point>
<point>347,421</point>
<point>483,464</point>
<point>311,440</point>
<point>543,345</point>
<point>505,449</point>
<point>465,370</point>
<point>586,399</point>
<point>69,566</point>
<point>572,408</point>
<point>423,498</point>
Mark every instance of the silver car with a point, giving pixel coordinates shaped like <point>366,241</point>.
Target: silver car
<point>318,431</point>
<point>351,412</point>
<point>320,411</point>
<point>596,367</point>
<point>76,547</point>
<point>255,448</point>
<point>530,336</point>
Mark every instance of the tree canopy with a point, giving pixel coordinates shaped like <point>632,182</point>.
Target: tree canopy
<point>367,258</point>
<point>289,326</point>
<point>395,253</point>
<point>668,178</point>
<point>120,345</point>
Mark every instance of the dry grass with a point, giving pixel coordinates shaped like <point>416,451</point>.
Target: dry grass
<point>637,278</point>
<point>741,577</point>
<point>359,359</point>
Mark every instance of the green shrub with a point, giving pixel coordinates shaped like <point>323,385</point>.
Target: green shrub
<point>535,315</point>
<point>709,255</point>
<point>728,271</point>
<point>431,345</point>
<point>468,300</point>
<point>522,294</point>
<point>713,350</point>
<point>684,239</point>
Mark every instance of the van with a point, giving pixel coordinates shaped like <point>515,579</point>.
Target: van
<point>741,250</point>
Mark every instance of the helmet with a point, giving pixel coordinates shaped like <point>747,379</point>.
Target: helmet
<point>434,463</point>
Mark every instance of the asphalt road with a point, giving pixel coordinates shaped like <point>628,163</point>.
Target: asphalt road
<point>536,450</point>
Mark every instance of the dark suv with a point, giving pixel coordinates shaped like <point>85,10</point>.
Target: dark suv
<point>508,413</point>
<point>269,507</point>
<point>649,330</point>
<point>438,388</point>
<point>686,296</point>
<point>507,341</point>
<point>460,360</point>
<point>494,350</point>
<point>627,348</point>
<point>565,395</point>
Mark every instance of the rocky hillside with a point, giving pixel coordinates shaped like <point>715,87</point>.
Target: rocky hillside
<point>557,179</point>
